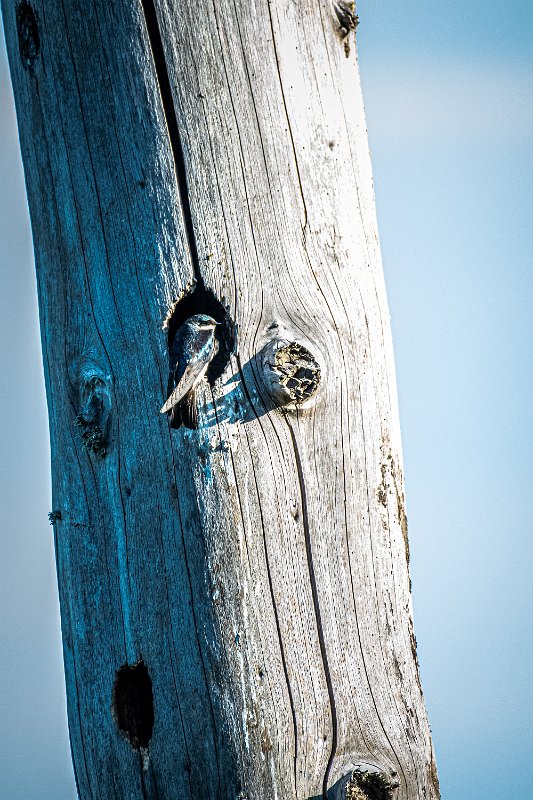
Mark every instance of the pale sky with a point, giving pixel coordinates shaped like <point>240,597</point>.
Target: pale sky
<point>449,99</point>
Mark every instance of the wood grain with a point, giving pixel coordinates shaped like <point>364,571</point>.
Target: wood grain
<point>258,566</point>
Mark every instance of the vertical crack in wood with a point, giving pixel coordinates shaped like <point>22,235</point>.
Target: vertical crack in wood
<point>169,110</point>
<point>197,636</point>
<point>316,604</point>
<point>272,593</point>
<point>289,127</point>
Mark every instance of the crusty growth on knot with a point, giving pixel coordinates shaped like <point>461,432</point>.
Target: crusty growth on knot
<point>299,373</point>
<point>291,372</point>
<point>92,436</point>
<point>369,786</point>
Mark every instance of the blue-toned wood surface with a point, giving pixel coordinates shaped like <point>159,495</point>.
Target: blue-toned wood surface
<point>256,567</point>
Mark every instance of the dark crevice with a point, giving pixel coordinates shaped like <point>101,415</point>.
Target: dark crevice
<point>158,54</point>
<point>314,592</point>
<point>133,704</point>
<point>272,593</point>
<point>201,300</point>
<point>28,35</point>
<point>195,632</point>
<point>143,787</point>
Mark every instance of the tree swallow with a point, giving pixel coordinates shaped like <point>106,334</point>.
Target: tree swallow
<point>193,349</point>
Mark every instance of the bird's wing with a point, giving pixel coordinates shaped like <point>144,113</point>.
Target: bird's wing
<point>194,371</point>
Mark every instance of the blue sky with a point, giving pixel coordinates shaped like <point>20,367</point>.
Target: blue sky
<point>449,99</point>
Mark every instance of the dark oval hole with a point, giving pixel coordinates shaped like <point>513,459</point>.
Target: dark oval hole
<point>28,34</point>
<point>203,301</point>
<point>133,704</point>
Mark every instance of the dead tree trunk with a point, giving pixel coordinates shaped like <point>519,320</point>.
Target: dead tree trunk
<point>235,599</point>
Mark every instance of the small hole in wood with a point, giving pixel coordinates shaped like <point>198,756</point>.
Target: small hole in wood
<point>133,704</point>
<point>203,301</point>
<point>28,34</point>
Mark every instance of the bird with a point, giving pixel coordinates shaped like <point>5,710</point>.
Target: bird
<point>193,348</point>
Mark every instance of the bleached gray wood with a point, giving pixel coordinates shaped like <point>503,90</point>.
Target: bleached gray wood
<point>259,565</point>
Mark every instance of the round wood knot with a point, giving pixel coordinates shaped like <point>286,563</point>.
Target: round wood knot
<point>94,409</point>
<point>291,372</point>
<point>363,785</point>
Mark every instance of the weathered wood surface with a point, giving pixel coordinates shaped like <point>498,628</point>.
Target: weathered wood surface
<point>257,565</point>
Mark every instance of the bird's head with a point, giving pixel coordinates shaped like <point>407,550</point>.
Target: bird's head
<point>203,322</point>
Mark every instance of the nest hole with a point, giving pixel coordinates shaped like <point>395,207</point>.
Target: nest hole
<point>133,704</point>
<point>202,300</point>
<point>28,34</point>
